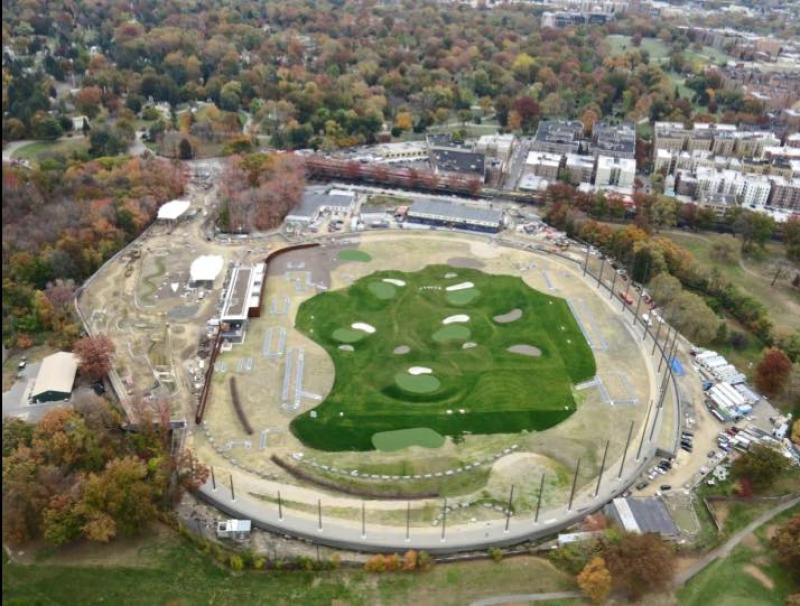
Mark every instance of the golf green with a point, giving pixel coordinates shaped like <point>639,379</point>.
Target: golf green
<point>493,390</point>
<point>348,335</point>
<point>453,332</point>
<point>382,290</point>
<point>417,383</point>
<point>389,441</point>
<point>353,254</point>
<point>462,297</point>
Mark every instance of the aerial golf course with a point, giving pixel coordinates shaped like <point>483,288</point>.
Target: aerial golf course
<point>444,351</point>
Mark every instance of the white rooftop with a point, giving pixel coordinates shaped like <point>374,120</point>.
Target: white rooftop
<point>205,268</point>
<point>173,209</point>
<point>57,373</point>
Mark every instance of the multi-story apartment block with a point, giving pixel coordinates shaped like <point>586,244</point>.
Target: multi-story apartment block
<point>615,172</point>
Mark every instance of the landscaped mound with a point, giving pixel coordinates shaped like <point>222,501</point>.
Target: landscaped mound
<point>457,357</point>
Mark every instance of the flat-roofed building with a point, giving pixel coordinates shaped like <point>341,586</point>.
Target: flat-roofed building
<point>543,164</point>
<point>315,201</point>
<point>616,172</point>
<point>497,146</point>
<point>614,140</point>
<point>670,135</point>
<point>558,137</point>
<point>785,193</point>
<point>56,377</point>
<point>643,515</point>
<point>173,210</point>
<point>450,214</point>
<point>581,168</point>
<point>242,300</point>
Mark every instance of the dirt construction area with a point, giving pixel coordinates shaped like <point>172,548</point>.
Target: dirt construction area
<point>142,300</point>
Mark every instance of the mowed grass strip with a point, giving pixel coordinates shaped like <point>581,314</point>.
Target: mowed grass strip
<point>353,254</point>
<point>498,391</point>
<point>389,441</point>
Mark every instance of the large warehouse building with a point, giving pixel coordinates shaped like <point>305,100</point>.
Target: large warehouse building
<point>460,216</point>
<point>242,300</point>
<point>56,378</point>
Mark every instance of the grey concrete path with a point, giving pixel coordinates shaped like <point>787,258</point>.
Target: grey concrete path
<point>520,598</point>
<point>727,547</point>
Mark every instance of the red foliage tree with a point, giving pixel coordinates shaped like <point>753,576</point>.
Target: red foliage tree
<point>94,356</point>
<point>773,371</point>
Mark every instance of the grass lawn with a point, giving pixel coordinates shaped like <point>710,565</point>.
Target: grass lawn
<point>620,44</point>
<point>164,569</point>
<point>458,375</point>
<point>750,576</point>
<point>38,150</point>
<point>753,275</point>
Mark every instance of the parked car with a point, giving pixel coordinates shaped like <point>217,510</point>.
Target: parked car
<point>665,487</point>
<point>642,485</point>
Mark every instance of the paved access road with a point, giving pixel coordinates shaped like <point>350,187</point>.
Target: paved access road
<point>520,598</point>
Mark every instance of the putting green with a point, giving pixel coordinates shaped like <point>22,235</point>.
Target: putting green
<point>382,290</point>
<point>348,335</point>
<point>462,297</point>
<point>452,332</point>
<point>389,441</point>
<point>503,391</point>
<point>352,254</point>
<point>417,383</point>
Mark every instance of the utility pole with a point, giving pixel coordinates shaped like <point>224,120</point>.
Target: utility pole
<point>602,468</point>
<point>539,500</point>
<point>574,484</point>
<point>625,452</point>
<point>644,430</point>
<point>508,509</point>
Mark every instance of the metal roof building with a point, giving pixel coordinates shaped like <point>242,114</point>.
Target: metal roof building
<point>440,212</point>
<point>315,202</point>
<point>643,515</point>
<point>56,377</point>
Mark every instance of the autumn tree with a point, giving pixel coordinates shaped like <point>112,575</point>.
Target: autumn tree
<point>786,542</point>
<point>773,371</point>
<point>595,580</point>
<point>640,563</point>
<point>94,356</point>
<point>760,466</point>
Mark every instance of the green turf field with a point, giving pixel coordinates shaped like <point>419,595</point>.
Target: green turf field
<point>458,377</point>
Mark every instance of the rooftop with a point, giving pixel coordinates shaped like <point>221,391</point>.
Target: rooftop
<point>57,373</point>
<point>458,213</point>
<point>205,268</point>
<point>173,209</point>
<point>643,515</point>
<point>459,161</point>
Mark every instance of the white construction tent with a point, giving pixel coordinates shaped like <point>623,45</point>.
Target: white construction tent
<point>172,210</point>
<point>204,271</point>
<point>728,400</point>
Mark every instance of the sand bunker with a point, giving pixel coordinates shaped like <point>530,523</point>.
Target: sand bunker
<point>401,350</point>
<point>511,316</point>
<point>419,370</point>
<point>465,262</point>
<point>394,281</point>
<point>469,345</point>
<point>363,326</point>
<point>450,275</point>
<point>460,286</point>
<point>456,318</point>
<point>525,350</point>
<point>346,348</point>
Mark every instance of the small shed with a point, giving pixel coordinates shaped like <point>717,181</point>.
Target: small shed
<point>238,530</point>
<point>56,377</point>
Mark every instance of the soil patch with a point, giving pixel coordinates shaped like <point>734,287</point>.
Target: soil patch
<point>759,575</point>
<point>525,350</point>
<point>465,262</point>
<point>511,316</point>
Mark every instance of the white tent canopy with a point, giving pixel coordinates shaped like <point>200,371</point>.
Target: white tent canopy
<point>173,209</point>
<point>56,374</point>
<point>206,268</point>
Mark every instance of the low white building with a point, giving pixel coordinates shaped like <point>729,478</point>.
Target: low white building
<point>173,210</point>
<point>56,377</point>
<point>204,270</point>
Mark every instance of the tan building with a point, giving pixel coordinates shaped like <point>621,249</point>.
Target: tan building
<point>785,193</point>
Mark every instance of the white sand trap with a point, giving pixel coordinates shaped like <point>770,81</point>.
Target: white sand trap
<point>394,281</point>
<point>469,345</point>
<point>450,275</point>
<point>525,350</point>
<point>346,348</point>
<point>401,350</point>
<point>419,370</point>
<point>511,316</point>
<point>368,328</point>
<point>461,286</point>
<point>456,319</point>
